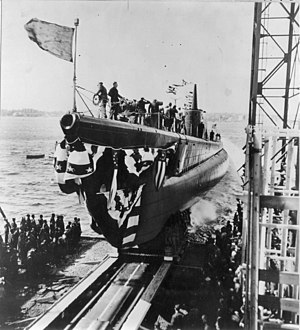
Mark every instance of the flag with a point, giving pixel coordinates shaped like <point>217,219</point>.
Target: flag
<point>114,184</point>
<point>53,38</point>
<point>160,169</point>
<point>80,191</point>
<point>171,90</point>
<point>131,221</point>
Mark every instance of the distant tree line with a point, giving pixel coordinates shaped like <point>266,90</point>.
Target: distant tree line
<point>226,116</point>
<point>28,112</point>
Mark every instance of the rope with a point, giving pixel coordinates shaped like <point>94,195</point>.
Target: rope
<point>85,103</point>
<point>85,89</point>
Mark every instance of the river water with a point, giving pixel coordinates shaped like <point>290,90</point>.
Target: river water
<point>28,186</point>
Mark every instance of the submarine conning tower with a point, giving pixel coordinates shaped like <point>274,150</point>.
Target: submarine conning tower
<point>193,116</point>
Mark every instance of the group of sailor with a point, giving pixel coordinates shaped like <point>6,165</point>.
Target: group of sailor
<point>132,110</point>
<point>33,244</point>
<point>144,112</point>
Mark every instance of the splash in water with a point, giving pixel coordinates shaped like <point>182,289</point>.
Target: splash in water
<point>202,213</point>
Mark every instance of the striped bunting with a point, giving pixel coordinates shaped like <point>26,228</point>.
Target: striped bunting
<point>73,162</point>
<point>160,169</point>
<point>60,162</point>
<point>113,189</point>
<point>132,220</point>
<point>76,160</point>
<point>79,164</point>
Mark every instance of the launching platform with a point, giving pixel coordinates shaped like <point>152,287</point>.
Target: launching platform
<point>129,291</point>
<point>118,294</point>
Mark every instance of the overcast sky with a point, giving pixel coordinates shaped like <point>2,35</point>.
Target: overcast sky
<point>144,45</point>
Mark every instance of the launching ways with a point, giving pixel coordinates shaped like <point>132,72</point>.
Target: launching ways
<point>128,292</point>
<point>117,294</point>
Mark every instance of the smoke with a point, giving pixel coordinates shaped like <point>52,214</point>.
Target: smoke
<point>202,213</point>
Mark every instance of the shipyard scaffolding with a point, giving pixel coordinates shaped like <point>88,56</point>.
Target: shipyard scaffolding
<point>271,227</point>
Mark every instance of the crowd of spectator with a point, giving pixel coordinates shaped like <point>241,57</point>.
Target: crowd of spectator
<point>32,244</point>
<point>221,284</point>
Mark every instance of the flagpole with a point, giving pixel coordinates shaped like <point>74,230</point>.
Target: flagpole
<point>76,23</point>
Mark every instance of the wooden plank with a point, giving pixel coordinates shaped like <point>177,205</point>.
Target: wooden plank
<point>115,296</point>
<point>55,310</point>
<point>286,304</point>
<point>156,281</point>
<point>280,202</point>
<point>280,226</point>
<point>289,164</point>
<point>265,169</point>
<point>286,326</point>
<point>109,304</point>
<point>281,133</point>
<point>279,277</point>
<point>284,238</point>
<point>273,165</point>
<point>103,313</point>
<point>273,256</point>
<point>264,213</point>
<point>137,316</point>
<point>289,304</point>
<point>254,226</point>
<point>282,189</point>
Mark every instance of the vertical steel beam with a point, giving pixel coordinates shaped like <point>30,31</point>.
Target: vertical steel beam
<point>255,214</point>
<point>255,63</point>
<point>288,59</point>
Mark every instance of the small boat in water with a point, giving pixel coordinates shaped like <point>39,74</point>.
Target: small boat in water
<point>37,156</point>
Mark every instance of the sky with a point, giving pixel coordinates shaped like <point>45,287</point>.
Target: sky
<point>143,45</point>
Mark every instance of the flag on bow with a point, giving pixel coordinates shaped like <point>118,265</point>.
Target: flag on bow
<point>53,38</point>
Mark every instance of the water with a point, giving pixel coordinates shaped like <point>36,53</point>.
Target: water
<point>27,185</point>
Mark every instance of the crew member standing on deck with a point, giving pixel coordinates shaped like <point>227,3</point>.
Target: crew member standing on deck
<point>173,112</point>
<point>155,113</point>
<point>115,99</point>
<point>102,93</point>
<point>141,108</point>
<point>201,128</point>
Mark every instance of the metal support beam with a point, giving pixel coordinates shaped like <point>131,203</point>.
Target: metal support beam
<point>255,63</point>
<point>270,208</point>
<point>288,59</point>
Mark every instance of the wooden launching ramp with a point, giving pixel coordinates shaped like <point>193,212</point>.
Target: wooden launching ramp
<point>117,294</point>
